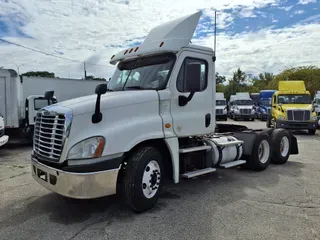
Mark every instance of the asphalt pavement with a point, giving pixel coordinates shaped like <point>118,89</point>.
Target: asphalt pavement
<point>282,202</point>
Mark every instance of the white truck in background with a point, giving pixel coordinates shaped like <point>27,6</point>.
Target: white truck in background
<point>221,106</point>
<point>22,97</point>
<point>146,126</point>
<point>3,138</point>
<point>316,105</point>
<point>230,104</point>
<point>243,107</point>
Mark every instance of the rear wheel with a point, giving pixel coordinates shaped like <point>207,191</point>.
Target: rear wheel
<point>261,153</point>
<point>142,179</point>
<point>282,146</point>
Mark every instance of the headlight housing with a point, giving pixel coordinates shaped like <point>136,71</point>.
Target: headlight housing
<point>314,118</point>
<point>281,117</point>
<point>88,148</point>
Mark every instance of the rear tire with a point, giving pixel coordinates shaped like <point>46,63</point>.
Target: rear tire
<point>312,131</point>
<point>261,154</point>
<point>143,179</point>
<point>282,146</point>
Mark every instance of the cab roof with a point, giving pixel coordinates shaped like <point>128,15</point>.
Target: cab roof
<point>167,37</point>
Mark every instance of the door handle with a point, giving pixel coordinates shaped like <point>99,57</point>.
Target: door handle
<point>208,120</point>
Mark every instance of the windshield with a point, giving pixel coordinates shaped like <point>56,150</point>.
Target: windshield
<point>142,73</point>
<point>244,102</point>
<point>265,102</point>
<point>294,99</point>
<point>220,102</point>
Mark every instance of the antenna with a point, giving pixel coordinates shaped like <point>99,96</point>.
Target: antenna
<point>215,35</point>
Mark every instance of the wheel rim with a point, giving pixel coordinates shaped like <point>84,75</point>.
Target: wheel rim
<point>264,151</point>
<point>151,179</point>
<point>284,146</point>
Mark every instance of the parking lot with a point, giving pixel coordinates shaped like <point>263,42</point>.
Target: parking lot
<point>282,202</point>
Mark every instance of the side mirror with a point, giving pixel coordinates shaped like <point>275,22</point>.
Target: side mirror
<point>49,95</point>
<point>101,89</point>
<point>193,77</point>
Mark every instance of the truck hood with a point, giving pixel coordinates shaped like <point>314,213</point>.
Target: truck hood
<point>109,100</point>
<point>296,106</point>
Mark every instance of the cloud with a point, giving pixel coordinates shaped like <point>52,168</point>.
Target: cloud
<point>93,30</point>
<point>299,12</point>
<point>306,1</point>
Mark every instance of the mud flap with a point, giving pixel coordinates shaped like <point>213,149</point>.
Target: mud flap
<point>294,144</point>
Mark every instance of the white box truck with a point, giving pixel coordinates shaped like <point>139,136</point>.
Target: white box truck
<point>22,97</point>
<point>154,120</point>
<point>3,138</point>
<point>221,106</point>
<point>243,107</point>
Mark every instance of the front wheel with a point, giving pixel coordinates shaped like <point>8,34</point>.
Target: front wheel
<point>312,131</point>
<point>142,179</point>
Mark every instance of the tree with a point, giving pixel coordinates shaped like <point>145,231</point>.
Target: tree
<point>91,77</point>
<point>39,74</point>
<point>220,79</point>
<point>239,77</point>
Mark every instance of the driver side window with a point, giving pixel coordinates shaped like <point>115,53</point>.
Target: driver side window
<point>181,83</point>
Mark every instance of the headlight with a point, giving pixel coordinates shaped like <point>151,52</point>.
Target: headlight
<point>281,118</point>
<point>314,118</point>
<point>263,110</point>
<point>88,148</point>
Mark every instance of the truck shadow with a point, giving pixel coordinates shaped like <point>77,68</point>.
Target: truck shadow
<point>220,188</point>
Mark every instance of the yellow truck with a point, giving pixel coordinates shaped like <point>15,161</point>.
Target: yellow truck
<point>292,108</point>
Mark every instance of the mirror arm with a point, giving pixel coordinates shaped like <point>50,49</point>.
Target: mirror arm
<point>97,116</point>
<point>183,100</point>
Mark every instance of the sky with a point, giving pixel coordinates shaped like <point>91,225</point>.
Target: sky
<point>253,35</point>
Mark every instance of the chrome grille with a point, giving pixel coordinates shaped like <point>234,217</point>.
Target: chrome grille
<point>245,111</point>
<point>49,136</point>
<point>298,115</point>
<point>219,111</point>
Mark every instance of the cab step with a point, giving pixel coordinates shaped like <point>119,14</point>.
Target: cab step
<point>198,172</point>
<point>232,164</point>
<point>194,149</point>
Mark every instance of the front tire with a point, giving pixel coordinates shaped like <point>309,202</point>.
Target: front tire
<point>282,146</point>
<point>312,131</point>
<point>143,179</point>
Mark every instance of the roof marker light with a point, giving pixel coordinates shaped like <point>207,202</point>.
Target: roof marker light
<point>161,44</point>
<point>125,52</point>
<point>113,56</point>
<point>136,49</point>
<point>131,50</point>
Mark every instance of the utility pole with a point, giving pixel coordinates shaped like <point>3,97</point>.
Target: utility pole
<point>18,67</point>
<point>85,71</point>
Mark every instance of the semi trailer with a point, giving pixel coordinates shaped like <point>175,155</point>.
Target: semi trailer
<point>22,97</point>
<point>153,122</point>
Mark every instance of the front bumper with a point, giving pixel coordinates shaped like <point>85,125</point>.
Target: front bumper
<point>296,125</point>
<point>75,185</point>
<point>3,140</point>
<point>244,115</point>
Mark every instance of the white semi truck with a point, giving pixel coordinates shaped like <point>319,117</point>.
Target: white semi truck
<point>22,97</point>
<point>316,104</point>
<point>3,138</point>
<point>243,107</point>
<point>221,106</point>
<point>154,120</point>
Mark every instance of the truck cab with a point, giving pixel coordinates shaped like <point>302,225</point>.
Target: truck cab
<point>316,104</point>
<point>3,138</point>
<point>154,120</point>
<point>243,107</point>
<point>292,108</point>
<point>221,106</point>
<point>264,105</point>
